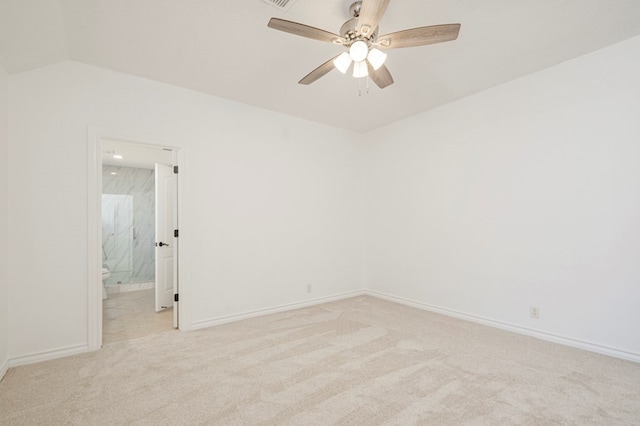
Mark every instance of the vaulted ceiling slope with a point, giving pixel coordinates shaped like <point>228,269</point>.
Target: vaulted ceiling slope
<point>225,48</point>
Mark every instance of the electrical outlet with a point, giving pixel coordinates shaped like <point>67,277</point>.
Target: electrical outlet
<point>534,312</point>
<point>308,288</point>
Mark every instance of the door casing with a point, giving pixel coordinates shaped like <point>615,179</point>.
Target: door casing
<point>94,229</point>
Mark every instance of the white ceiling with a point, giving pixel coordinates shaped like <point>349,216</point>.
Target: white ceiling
<point>224,48</point>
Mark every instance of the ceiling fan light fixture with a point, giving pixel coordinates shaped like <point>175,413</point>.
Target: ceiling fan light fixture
<point>360,69</point>
<point>365,48</point>
<point>376,58</point>
<point>359,51</point>
<point>343,62</point>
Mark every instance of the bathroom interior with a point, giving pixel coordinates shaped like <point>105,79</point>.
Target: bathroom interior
<point>128,222</point>
<point>128,240</point>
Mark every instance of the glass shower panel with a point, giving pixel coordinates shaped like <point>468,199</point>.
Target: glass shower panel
<point>117,237</point>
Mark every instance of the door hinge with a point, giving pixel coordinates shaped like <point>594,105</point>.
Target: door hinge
<point>175,169</point>
<point>175,233</point>
<point>176,298</point>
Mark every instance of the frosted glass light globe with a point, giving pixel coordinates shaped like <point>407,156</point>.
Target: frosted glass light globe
<point>360,69</point>
<point>342,62</point>
<point>376,58</point>
<point>358,51</point>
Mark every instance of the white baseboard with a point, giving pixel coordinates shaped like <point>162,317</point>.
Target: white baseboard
<point>568,341</point>
<point>3,369</point>
<point>47,356</point>
<point>273,310</point>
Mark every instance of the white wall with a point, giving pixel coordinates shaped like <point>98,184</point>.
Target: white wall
<point>525,194</point>
<point>270,203</point>
<point>4,207</point>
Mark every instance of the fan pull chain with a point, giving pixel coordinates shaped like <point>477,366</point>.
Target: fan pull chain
<point>360,86</point>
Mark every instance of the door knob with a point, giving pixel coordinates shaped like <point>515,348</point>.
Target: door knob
<point>161,244</point>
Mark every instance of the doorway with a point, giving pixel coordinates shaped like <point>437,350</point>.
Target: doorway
<point>134,189</point>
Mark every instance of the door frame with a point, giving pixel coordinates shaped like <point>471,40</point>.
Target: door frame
<point>94,228</point>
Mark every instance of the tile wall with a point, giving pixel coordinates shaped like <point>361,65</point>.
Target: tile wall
<point>128,224</point>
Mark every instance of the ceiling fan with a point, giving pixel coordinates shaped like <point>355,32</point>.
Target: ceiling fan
<point>359,35</point>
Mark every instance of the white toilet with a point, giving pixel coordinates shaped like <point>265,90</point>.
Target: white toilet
<point>105,276</point>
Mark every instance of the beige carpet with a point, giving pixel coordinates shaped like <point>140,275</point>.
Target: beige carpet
<point>359,361</point>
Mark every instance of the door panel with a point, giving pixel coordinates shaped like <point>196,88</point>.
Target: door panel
<point>165,241</point>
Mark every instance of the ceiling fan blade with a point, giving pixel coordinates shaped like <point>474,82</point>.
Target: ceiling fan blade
<point>419,36</point>
<point>371,13</point>
<point>304,31</point>
<point>321,71</point>
<point>381,77</point>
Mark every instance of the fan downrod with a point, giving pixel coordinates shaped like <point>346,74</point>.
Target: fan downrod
<point>354,9</point>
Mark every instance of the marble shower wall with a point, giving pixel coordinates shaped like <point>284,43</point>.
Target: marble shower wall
<point>128,224</point>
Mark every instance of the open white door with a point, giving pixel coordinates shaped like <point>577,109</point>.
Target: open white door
<point>166,207</point>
